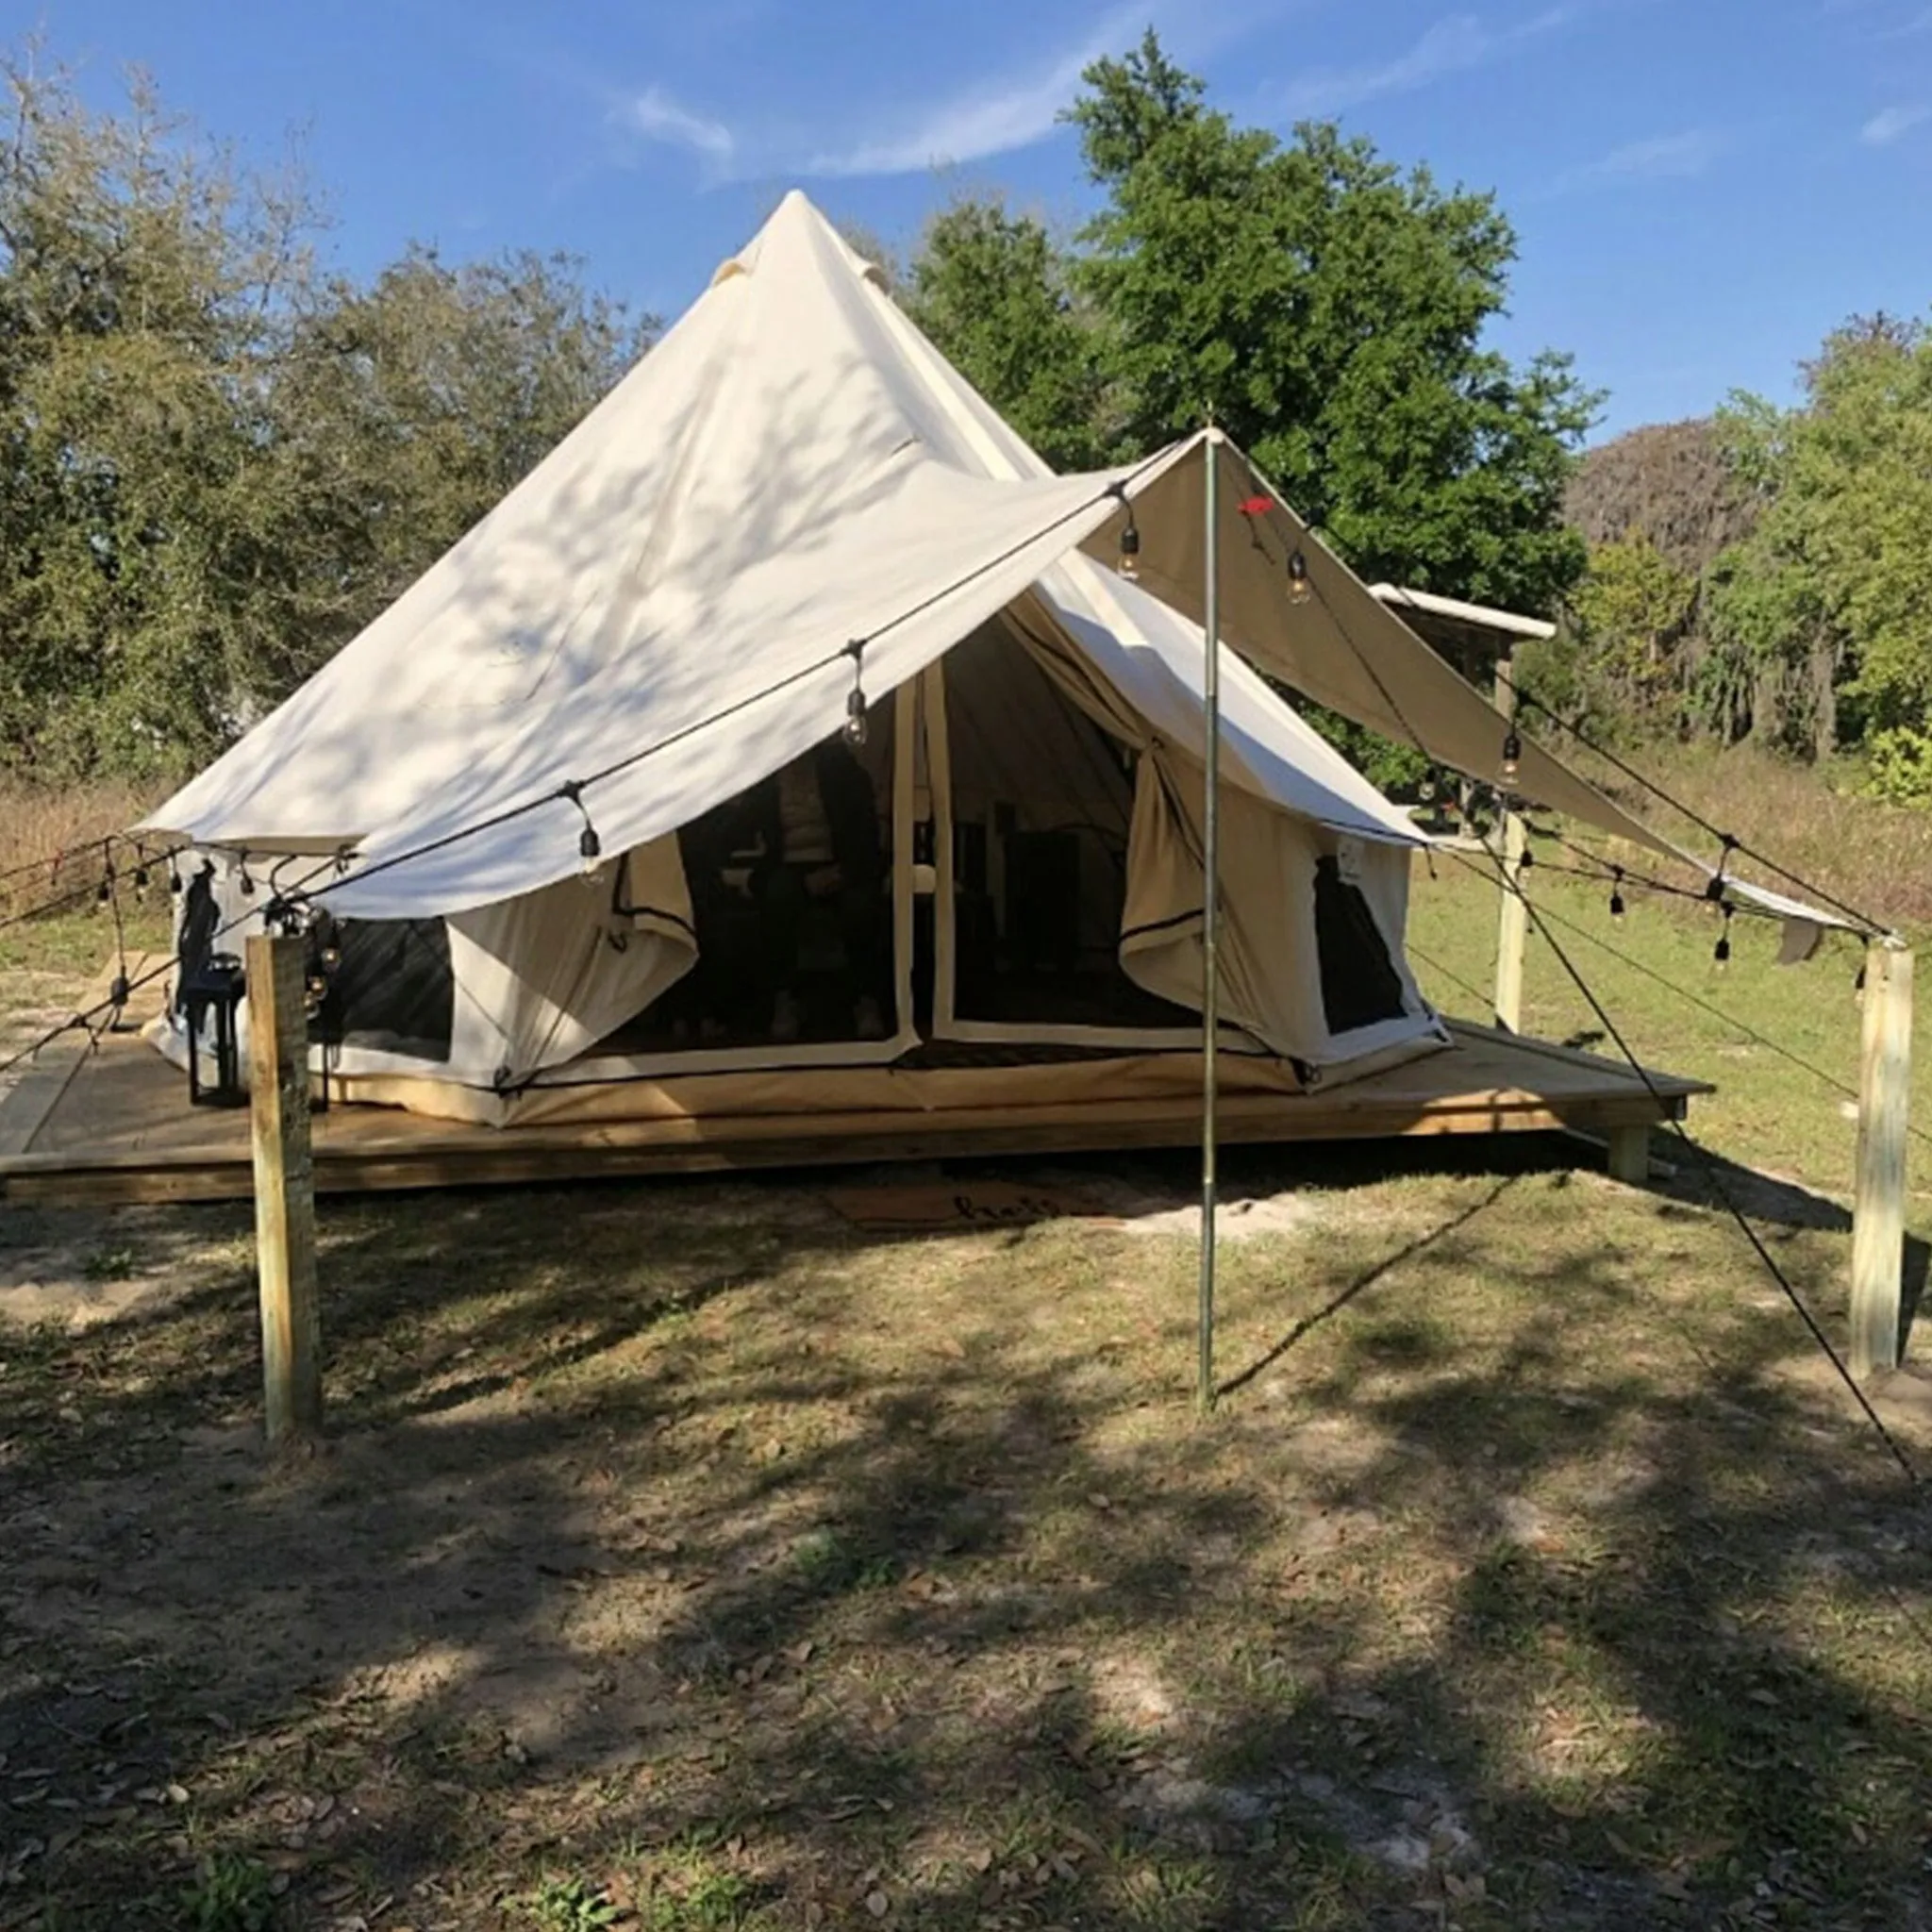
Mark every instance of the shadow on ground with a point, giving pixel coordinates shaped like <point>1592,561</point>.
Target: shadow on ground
<point>681,1546</point>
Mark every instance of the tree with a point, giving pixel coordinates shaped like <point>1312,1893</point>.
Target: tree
<point>215,462</point>
<point>400,413</point>
<point>992,291</point>
<point>1328,312</point>
<point>1828,602</point>
<point>1672,484</point>
<point>1631,610</point>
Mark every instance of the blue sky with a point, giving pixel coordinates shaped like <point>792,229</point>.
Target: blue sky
<point>1702,188</point>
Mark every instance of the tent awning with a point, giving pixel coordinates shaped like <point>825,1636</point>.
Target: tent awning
<point>1346,649</point>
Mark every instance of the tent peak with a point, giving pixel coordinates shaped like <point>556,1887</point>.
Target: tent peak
<point>798,214</point>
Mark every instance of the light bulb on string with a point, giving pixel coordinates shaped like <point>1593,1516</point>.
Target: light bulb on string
<point>1513,758</point>
<point>1299,588</point>
<point>1129,562</point>
<point>1714,892</point>
<point>855,698</point>
<point>1721,953</point>
<point>1617,893</point>
<point>247,883</point>
<point>590,847</point>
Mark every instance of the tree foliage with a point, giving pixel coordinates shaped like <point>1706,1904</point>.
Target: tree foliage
<point>992,291</point>
<point>1326,309</point>
<point>217,462</point>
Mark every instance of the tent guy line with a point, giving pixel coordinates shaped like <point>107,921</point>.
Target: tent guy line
<point>1707,1162</point>
<point>1868,927</point>
<point>161,968</point>
<point>1684,992</point>
<point>1512,883</point>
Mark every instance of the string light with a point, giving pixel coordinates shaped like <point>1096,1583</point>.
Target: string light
<point>855,698</point>
<point>1714,892</point>
<point>1129,565</point>
<point>1617,893</point>
<point>1512,756</point>
<point>1300,589</point>
<point>247,884</point>
<point>590,847</point>
<point>1721,953</point>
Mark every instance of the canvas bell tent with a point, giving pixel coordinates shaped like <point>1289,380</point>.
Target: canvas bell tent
<point>792,740</point>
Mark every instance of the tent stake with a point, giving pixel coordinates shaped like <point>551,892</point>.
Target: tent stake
<point>1210,924</point>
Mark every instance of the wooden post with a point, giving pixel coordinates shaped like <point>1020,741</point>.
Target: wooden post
<point>1512,920</point>
<point>1878,1212</point>
<point>284,1188</point>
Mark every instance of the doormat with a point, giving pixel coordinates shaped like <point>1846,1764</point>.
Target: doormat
<point>962,1204</point>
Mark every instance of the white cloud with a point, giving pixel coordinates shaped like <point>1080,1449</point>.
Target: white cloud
<point>970,124</point>
<point>1662,158</point>
<point>1890,124</point>
<point>1455,45</point>
<point>655,116</point>
<point>984,121</point>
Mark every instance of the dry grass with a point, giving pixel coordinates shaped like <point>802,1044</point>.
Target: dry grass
<point>49,831</point>
<point>1876,857</point>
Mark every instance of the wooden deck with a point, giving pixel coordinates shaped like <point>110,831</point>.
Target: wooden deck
<point>114,1124</point>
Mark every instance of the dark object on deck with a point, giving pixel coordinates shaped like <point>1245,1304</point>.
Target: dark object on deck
<point>208,1001</point>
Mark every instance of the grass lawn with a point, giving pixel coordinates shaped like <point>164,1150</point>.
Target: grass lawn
<point>684,1558</point>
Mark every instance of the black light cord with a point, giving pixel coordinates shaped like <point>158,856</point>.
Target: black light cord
<point>1764,1255</point>
<point>1870,928</point>
<point>1708,1162</point>
<point>1609,875</point>
<point>1730,1020</point>
<point>48,905</point>
<point>85,1019</point>
<point>56,860</point>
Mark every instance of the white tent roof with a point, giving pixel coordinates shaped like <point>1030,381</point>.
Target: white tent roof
<point>661,611</point>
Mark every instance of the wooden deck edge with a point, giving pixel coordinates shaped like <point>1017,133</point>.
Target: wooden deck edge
<point>1577,1056</point>
<point>133,1181</point>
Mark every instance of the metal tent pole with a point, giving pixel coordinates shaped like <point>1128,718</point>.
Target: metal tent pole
<point>1210,920</point>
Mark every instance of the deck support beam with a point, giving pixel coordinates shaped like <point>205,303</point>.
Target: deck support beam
<point>1878,1211</point>
<point>284,1188</point>
<point>1629,1155</point>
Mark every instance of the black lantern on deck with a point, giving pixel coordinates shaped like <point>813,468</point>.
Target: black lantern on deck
<point>209,997</point>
